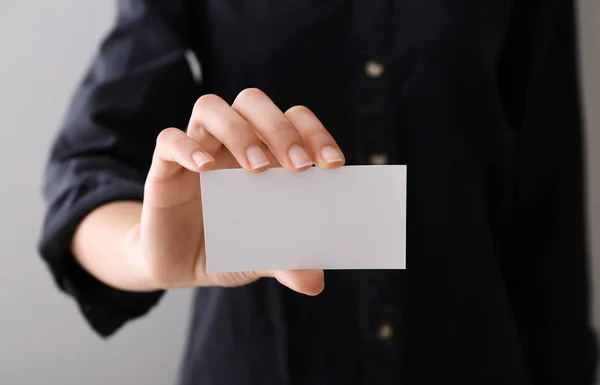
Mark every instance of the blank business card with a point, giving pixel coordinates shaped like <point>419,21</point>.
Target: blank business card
<point>352,217</point>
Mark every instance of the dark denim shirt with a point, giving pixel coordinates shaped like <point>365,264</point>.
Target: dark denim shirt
<point>479,98</point>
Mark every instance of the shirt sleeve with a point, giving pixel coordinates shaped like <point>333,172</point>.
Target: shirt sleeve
<point>138,84</point>
<point>545,254</point>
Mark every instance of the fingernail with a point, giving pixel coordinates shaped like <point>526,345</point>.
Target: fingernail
<point>257,157</point>
<point>200,158</point>
<point>331,155</point>
<point>299,157</point>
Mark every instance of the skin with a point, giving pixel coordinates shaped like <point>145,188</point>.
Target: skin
<point>159,244</point>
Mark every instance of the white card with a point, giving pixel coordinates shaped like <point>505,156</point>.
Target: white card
<point>353,217</point>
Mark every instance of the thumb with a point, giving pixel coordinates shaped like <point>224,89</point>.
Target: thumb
<point>309,282</point>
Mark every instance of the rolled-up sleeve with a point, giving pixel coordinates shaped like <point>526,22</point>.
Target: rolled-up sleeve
<point>138,84</point>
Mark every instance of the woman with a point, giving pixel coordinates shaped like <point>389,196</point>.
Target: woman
<point>479,99</point>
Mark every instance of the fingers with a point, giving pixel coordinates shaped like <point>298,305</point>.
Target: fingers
<point>318,141</point>
<point>214,122</point>
<point>256,132</point>
<point>271,125</point>
<point>174,149</point>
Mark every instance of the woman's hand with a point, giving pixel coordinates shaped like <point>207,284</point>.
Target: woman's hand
<point>253,134</point>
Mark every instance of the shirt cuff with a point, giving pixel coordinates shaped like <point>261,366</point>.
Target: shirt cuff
<point>105,308</point>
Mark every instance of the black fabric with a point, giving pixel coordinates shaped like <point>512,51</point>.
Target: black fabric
<point>479,99</point>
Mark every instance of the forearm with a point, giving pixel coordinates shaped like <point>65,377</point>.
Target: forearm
<point>106,244</point>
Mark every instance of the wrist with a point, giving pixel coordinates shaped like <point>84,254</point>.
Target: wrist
<point>137,262</point>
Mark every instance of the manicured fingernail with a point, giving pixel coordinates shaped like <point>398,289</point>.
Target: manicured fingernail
<point>257,157</point>
<point>331,155</point>
<point>200,158</point>
<point>299,157</point>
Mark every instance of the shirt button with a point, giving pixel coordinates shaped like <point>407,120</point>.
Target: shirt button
<point>373,69</point>
<point>386,331</point>
<point>378,159</point>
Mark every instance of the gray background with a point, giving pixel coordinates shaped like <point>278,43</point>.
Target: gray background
<point>45,47</point>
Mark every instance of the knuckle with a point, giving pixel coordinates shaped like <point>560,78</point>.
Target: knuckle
<point>167,135</point>
<point>250,93</point>
<point>205,101</point>
<point>315,134</point>
<point>179,142</point>
<point>283,130</point>
<point>233,129</point>
<point>300,109</point>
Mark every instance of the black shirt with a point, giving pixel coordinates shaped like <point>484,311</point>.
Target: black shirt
<point>478,98</point>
